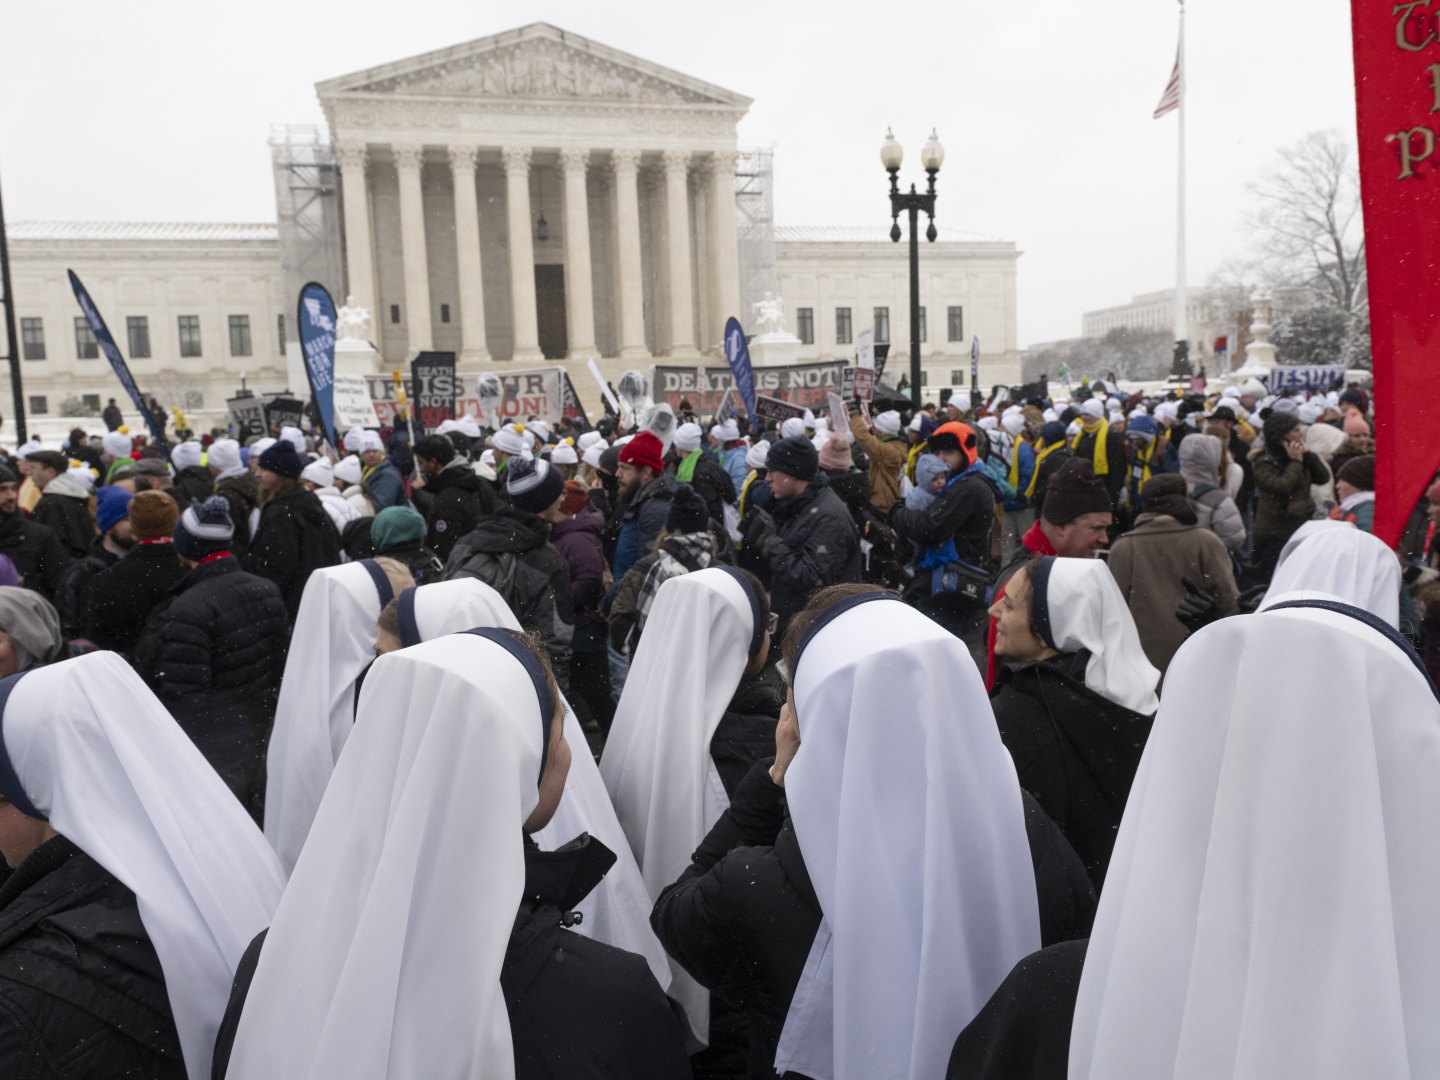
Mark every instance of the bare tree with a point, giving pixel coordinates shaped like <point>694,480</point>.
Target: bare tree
<point>1307,222</point>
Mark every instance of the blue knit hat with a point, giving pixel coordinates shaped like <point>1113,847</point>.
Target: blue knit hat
<point>112,505</point>
<point>282,460</point>
<point>533,485</point>
<point>205,528</point>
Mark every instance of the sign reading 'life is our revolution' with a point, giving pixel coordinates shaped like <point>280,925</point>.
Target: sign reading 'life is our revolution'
<point>1397,99</point>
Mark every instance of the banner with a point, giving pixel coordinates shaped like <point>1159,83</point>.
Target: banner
<point>806,385</point>
<point>315,317</point>
<point>432,390</point>
<point>1397,94</point>
<point>1289,380</point>
<point>353,407</point>
<point>570,405</point>
<point>737,355</point>
<point>539,392</point>
<point>248,416</point>
<point>117,362</point>
<point>773,409</point>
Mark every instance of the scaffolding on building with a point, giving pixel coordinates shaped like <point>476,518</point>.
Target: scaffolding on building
<point>307,211</point>
<point>755,226</point>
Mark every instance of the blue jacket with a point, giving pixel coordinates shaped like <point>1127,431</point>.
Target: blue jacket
<point>734,461</point>
<point>640,527</point>
<point>1027,470</point>
<point>386,486</point>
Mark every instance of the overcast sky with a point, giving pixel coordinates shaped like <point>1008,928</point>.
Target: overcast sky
<point>160,109</point>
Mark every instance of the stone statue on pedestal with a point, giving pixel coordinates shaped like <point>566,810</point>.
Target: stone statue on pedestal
<point>354,325</point>
<point>769,315</point>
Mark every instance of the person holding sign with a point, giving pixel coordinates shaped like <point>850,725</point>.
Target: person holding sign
<point>888,454</point>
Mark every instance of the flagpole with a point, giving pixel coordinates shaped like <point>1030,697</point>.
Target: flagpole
<point>1182,325</point>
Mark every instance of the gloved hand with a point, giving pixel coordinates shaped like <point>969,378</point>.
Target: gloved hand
<point>1197,609</point>
<point>758,528</point>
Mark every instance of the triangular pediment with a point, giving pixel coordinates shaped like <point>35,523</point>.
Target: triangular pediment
<point>539,62</point>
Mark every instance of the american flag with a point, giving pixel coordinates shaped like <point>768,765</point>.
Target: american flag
<point>1170,100</point>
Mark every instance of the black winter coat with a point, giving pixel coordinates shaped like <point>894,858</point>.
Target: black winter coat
<point>69,519</point>
<point>193,484</point>
<point>36,552</point>
<point>817,545</point>
<point>82,994</point>
<point>713,484</point>
<point>510,552</point>
<point>741,919</point>
<point>963,512</point>
<point>1023,1032</point>
<point>453,504</point>
<point>71,598</point>
<point>1075,751</point>
<point>121,597</point>
<point>295,538</point>
<point>746,732</point>
<point>241,491</point>
<point>214,655</point>
<point>579,1009</point>
<point>1114,479</point>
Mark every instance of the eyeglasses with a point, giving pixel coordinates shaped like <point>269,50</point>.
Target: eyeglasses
<point>784,670</point>
<point>772,623</point>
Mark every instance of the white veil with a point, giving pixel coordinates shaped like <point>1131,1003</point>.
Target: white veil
<point>657,765</point>
<point>333,641</point>
<point>88,747</point>
<point>1269,909</point>
<point>1333,560</point>
<point>908,813</point>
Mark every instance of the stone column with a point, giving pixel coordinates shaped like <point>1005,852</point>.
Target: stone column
<point>467,251</point>
<point>700,182</point>
<point>677,264</point>
<point>522,254</point>
<point>408,158</point>
<point>579,288</point>
<point>359,251</point>
<point>724,247</point>
<point>629,279</point>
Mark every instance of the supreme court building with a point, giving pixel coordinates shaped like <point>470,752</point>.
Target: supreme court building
<point>530,197</point>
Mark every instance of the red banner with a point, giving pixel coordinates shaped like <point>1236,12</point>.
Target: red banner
<point>1397,104</point>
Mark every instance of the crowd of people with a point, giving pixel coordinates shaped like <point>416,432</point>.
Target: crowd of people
<point>1052,738</point>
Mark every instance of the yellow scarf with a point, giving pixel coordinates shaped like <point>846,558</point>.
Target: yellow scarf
<point>745,491</point>
<point>1039,457</point>
<point>1101,430</point>
<point>1143,459</point>
<point>915,452</point>
<point>1014,477</point>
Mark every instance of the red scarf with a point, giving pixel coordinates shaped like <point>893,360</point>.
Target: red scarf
<point>213,556</point>
<point>1038,544</point>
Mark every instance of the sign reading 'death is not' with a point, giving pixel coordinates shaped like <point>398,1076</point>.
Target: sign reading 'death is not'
<point>1397,107</point>
<point>804,385</point>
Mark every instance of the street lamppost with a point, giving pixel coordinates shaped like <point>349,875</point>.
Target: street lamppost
<point>932,155</point>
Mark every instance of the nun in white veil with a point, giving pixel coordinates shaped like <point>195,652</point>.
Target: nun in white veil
<point>396,952</point>
<point>88,748</point>
<point>333,643</point>
<point>1336,562</point>
<point>617,910</point>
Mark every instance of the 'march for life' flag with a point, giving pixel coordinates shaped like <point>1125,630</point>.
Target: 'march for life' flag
<point>117,362</point>
<point>315,316</point>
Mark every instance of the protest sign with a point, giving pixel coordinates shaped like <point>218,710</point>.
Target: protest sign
<point>432,390</point>
<point>248,416</point>
<point>353,407</point>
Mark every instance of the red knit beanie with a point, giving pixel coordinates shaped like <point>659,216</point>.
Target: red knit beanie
<point>644,451</point>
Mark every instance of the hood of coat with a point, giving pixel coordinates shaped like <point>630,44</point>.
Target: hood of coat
<point>302,502</point>
<point>1153,524</point>
<point>1200,461</point>
<point>664,484</point>
<point>589,519</point>
<point>67,485</point>
<point>508,529</point>
<point>458,475</point>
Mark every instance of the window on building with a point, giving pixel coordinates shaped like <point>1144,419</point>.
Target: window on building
<point>194,400</point>
<point>882,326</point>
<point>444,312</point>
<point>239,335</point>
<point>957,376</point>
<point>843,334</point>
<point>280,330</point>
<point>955,318</point>
<point>32,339</point>
<point>39,406</point>
<point>137,329</point>
<point>805,324</point>
<point>86,347</point>
<point>923,336</point>
<point>91,403</point>
<point>189,335</point>
<point>395,313</point>
<point>924,378</point>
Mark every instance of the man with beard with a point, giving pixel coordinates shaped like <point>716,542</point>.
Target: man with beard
<point>453,499</point>
<point>64,505</point>
<point>36,551</point>
<point>295,536</point>
<point>112,515</point>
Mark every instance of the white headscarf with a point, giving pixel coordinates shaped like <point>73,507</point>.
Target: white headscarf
<point>1079,606</point>
<point>1333,560</point>
<point>617,911</point>
<point>383,962</point>
<point>657,765</point>
<point>97,755</point>
<point>1269,909</point>
<point>333,642</point>
<point>910,819</point>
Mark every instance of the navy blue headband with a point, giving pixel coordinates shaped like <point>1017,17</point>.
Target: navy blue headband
<point>759,631</point>
<point>382,582</point>
<point>829,615</point>
<point>1040,598</point>
<point>516,648</point>
<point>10,785</point>
<point>409,628</point>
